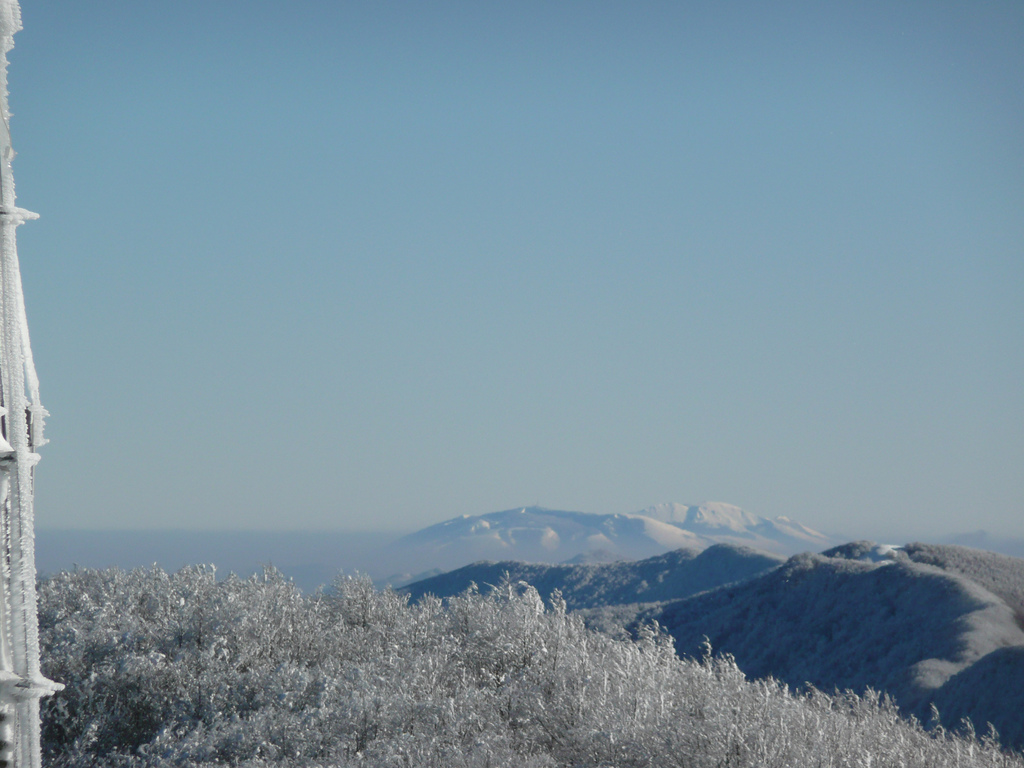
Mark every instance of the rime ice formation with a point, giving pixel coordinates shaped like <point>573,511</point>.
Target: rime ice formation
<point>21,432</point>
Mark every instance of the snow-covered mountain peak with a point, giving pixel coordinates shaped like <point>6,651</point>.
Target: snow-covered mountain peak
<point>537,534</point>
<point>726,522</point>
<point>710,517</point>
<point>721,516</point>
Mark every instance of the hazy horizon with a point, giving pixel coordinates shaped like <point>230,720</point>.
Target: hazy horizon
<point>314,557</point>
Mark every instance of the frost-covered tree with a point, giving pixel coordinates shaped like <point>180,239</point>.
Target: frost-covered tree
<point>181,669</point>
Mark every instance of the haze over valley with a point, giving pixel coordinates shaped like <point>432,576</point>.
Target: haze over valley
<point>527,534</point>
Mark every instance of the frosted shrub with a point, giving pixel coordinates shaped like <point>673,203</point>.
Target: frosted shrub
<point>181,669</point>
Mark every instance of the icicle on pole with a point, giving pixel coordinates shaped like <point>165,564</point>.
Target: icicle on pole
<point>21,432</point>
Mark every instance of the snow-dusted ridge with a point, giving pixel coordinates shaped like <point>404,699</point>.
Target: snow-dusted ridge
<point>924,623</point>
<point>675,574</point>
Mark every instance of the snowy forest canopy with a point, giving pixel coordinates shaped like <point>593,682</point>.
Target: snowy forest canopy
<point>181,669</point>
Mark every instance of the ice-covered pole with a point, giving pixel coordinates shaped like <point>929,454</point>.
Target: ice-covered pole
<point>21,432</point>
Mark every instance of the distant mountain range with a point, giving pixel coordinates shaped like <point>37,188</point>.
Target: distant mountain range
<point>722,523</point>
<point>540,535</point>
<point>526,534</point>
<point>926,624</point>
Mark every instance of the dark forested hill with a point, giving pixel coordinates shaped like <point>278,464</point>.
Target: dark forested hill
<point>666,577</point>
<point>989,691</point>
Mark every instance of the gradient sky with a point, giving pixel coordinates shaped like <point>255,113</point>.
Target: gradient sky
<point>374,265</point>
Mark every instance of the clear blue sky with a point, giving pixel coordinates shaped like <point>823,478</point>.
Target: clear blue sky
<point>373,265</point>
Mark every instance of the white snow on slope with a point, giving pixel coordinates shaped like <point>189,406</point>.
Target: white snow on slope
<point>726,523</point>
